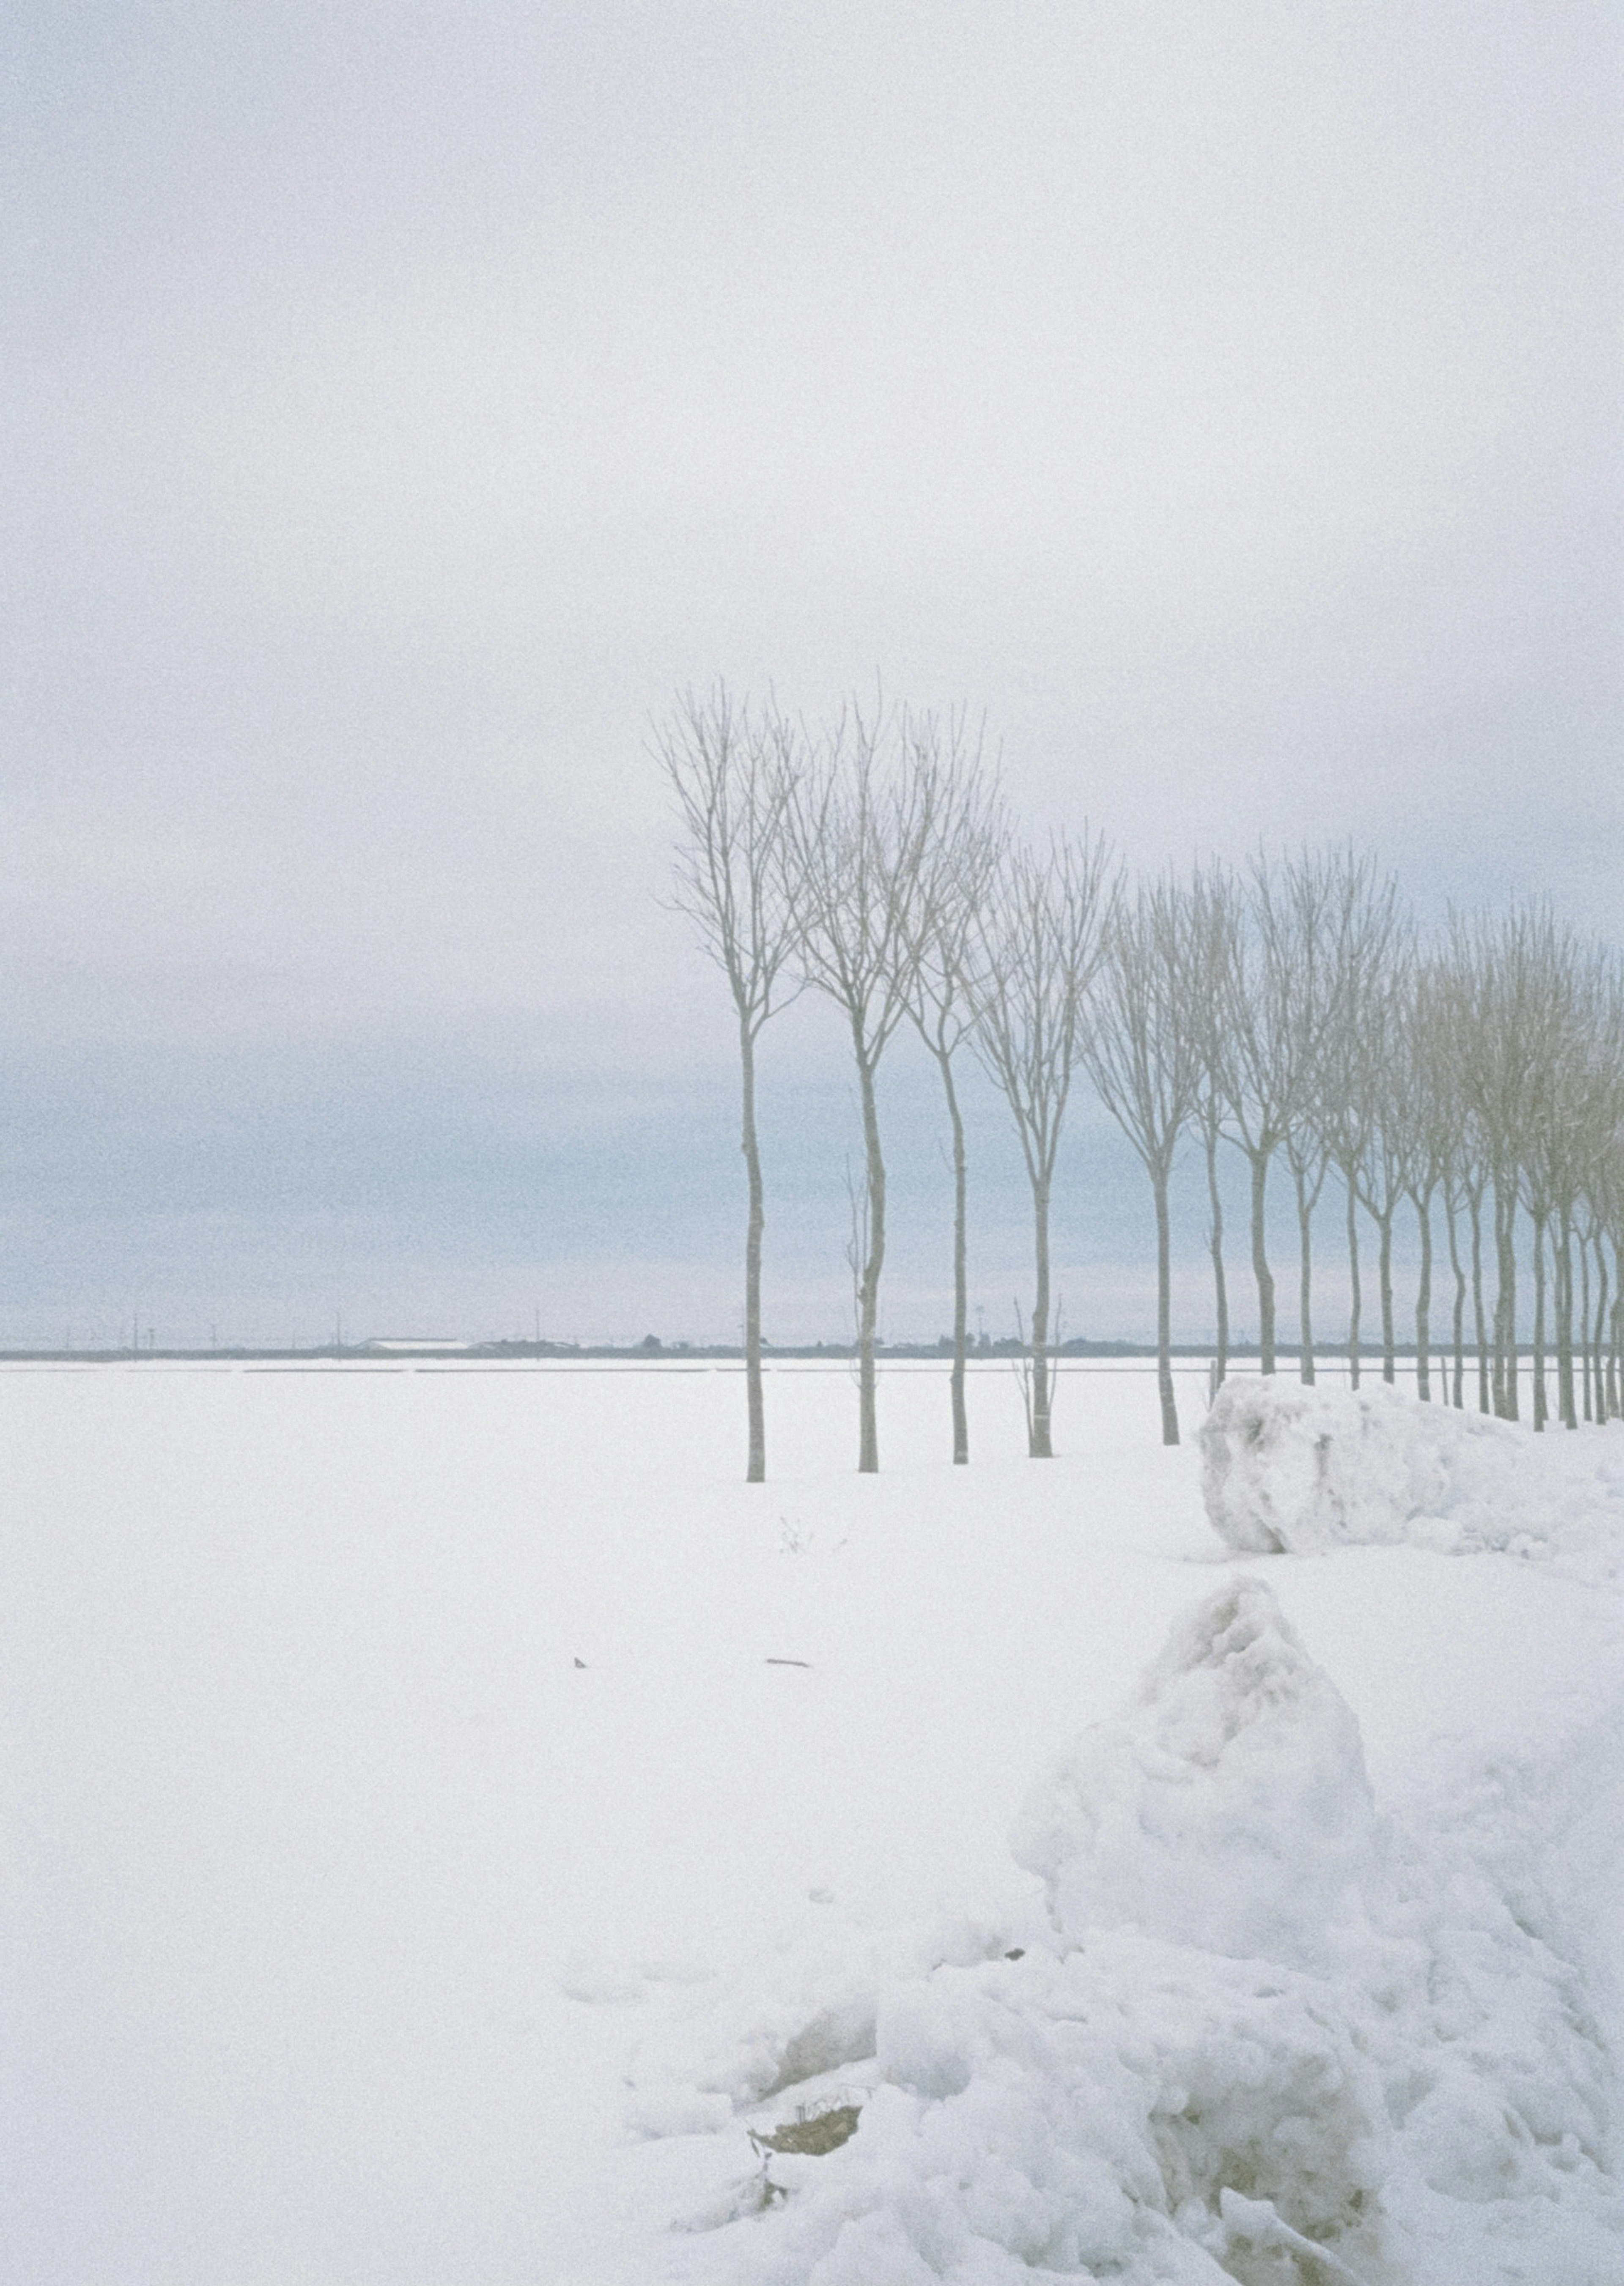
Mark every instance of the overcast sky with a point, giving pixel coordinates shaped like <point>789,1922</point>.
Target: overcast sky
<point>403,400</point>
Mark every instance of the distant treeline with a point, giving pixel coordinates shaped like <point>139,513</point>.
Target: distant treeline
<point>1471,1081</point>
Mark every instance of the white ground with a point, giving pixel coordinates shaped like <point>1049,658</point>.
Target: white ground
<point>344,1904</point>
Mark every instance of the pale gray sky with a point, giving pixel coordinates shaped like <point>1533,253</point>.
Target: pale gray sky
<point>404,398</point>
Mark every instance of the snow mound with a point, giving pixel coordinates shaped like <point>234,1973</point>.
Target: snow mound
<point>1227,1806</point>
<point>1289,1468</point>
<point>1263,2036</point>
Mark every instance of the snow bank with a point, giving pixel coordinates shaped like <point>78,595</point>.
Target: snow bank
<point>1306,1470</point>
<point>1262,2034</point>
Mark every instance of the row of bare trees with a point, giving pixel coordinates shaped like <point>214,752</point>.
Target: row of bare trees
<point>1287,1013</point>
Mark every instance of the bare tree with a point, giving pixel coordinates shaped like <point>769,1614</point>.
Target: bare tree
<point>1588,1231</point>
<point>1041,941</point>
<point>1350,1128</point>
<point>1603,1206</point>
<point>1215,923</point>
<point>1471,1174</point>
<point>1146,1052</point>
<point>1586,1104</point>
<point>1538,1177</point>
<point>1338,923</point>
<point>1476,1184</point>
<point>732,772</point>
<point>854,835</point>
<point>1498,962</point>
<point>1548,1166</point>
<point>1460,1178</point>
<point>1308,1156</point>
<point>962,842</point>
<point>1382,1173</point>
<point>1600,1208</point>
<point>1282,986</point>
<point>1452,1183</point>
<point>1430,1111</point>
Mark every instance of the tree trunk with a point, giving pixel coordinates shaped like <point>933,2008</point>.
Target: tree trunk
<point>1479,1323</point>
<point>961,1291</point>
<point>1039,1442</point>
<point>1260,1265</point>
<point>1565,1322</point>
<point>1539,1410</point>
<point>1505,1303</point>
<point>1164,1309</point>
<point>868,1284</point>
<point>1458,1326</point>
<point>1423,1302</point>
<point>1305,1338</point>
<point>1390,1362</point>
<point>1221,1363</point>
<point>1591,1413</point>
<point>756,1467</point>
<point>1355,1293</point>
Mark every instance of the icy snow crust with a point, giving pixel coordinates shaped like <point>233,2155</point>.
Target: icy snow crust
<point>1306,1470</point>
<point>1263,2034</point>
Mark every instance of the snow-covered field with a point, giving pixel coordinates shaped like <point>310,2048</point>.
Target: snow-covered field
<point>446,1812</point>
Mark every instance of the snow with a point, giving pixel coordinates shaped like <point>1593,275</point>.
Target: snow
<point>1261,2022</point>
<point>1226,1806</point>
<point>1312,1469</point>
<point>426,1871</point>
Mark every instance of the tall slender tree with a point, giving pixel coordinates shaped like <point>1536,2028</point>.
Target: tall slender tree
<point>853,836</point>
<point>1296,960</point>
<point>1504,969</point>
<point>1338,921</point>
<point>1041,941</point>
<point>962,843</point>
<point>1268,1051</point>
<point>1382,1172</point>
<point>1538,1159</point>
<point>1215,925</point>
<point>733,771</point>
<point>1454,1136</point>
<point>1450,1181</point>
<point>1145,1053</point>
<point>1428,1107</point>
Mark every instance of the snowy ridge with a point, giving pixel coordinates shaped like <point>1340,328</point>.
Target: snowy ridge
<point>1263,2034</point>
<point>1306,1470</point>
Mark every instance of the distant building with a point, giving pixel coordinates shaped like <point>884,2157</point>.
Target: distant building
<point>423,1343</point>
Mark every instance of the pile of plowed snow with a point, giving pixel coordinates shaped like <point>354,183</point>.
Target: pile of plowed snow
<point>1260,2032</point>
<point>1306,1470</point>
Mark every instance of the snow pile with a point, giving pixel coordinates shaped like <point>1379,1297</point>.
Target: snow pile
<point>1262,2035</point>
<point>804,2018</point>
<point>1227,1805</point>
<point>1306,1470</point>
